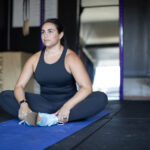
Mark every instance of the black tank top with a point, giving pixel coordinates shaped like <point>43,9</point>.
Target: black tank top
<point>56,84</point>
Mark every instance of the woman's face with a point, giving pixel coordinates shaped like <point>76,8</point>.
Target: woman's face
<point>50,35</point>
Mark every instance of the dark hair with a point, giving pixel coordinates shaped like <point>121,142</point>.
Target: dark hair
<point>58,25</point>
<point>56,22</point>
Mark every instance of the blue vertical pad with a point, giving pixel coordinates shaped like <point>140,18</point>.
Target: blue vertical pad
<point>15,136</point>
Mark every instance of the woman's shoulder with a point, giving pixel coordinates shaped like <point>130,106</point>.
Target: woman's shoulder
<point>71,55</point>
<point>34,57</point>
<point>37,54</point>
<point>72,58</point>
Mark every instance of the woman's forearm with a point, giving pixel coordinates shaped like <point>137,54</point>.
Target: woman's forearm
<point>78,97</point>
<point>19,93</point>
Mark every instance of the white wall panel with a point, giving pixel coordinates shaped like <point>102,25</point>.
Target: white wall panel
<point>35,12</point>
<point>17,13</point>
<point>51,9</point>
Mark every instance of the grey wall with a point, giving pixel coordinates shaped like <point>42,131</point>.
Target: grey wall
<point>136,28</point>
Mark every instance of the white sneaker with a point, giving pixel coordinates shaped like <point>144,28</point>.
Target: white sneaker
<point>47,119</point>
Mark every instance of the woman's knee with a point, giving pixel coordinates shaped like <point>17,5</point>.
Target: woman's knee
<point>101,96</point>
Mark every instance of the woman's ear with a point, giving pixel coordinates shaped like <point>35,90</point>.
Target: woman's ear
<point>61,35</point>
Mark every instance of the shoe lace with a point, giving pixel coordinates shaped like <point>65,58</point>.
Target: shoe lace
<point>23,122</point>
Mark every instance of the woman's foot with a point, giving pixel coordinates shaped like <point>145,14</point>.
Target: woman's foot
<point>39,119</point>
<point>30,119</point>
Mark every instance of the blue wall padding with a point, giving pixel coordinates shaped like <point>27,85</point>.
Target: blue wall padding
<point>14,136</point>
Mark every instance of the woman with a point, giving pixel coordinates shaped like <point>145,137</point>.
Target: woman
<point>57,70</point>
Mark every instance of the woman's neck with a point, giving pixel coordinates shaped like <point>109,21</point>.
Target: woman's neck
<point>54,50</point>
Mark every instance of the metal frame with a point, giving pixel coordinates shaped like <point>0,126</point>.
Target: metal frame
<point>121,48</point>
<point>42,3</point>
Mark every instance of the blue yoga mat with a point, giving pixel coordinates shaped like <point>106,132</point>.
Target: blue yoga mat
<point>15,136</point>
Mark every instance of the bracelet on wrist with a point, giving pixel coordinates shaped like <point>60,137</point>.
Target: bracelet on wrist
<point>22,102</point>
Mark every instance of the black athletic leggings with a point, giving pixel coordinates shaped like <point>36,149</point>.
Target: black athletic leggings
<point>93,104</point>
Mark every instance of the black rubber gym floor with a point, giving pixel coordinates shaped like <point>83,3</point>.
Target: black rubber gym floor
<point>127,127</point>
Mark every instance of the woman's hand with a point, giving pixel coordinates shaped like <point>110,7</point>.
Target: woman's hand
<point>23,111</point>
<point>63,114</point>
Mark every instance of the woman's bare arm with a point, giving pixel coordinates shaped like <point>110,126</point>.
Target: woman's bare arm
<point>80,74</point>
<point>23,80</point>
<point>77,69</point>
<point>25,76</point>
